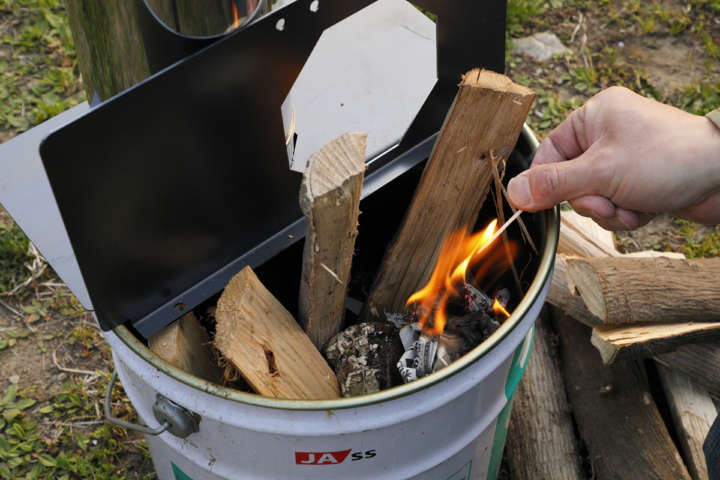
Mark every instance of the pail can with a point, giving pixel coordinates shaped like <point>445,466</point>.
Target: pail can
<point>449,425</point>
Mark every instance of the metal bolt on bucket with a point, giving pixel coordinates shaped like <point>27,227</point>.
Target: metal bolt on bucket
<point>450,425</point>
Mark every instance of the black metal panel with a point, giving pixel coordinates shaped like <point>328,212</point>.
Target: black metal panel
<point>170,188</point>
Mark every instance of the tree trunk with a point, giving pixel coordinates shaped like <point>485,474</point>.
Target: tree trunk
<point>110,47</point>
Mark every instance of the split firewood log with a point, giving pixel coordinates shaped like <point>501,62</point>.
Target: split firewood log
<point>185,344</point>
<point>480,132</point>
<point>267,346</point>
<point>330,200</point>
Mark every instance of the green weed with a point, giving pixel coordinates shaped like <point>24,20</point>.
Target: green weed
<point>13,256</point>
<point>698,246</point>
<point>521,14</point>
<point>698,99</point>
<point>77,453</point>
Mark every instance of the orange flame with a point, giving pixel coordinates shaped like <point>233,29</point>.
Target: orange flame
<point>236,18</point>
<point>499,308</point>
<point>460,252</point>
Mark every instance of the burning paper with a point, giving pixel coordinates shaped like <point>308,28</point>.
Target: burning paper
<point>419,357</point>
<point>451,316</point>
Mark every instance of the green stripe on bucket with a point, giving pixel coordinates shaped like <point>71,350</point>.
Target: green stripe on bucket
<point>179,474</point>
<point>517,368</point>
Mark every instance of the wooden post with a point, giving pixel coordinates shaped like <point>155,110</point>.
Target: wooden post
<point>486,118</point>
<point>265,344</point>
<point>185,344</point>
<point>111,50</point>
<point>648,290</point>
<point>330,200</point>
<point>110,47</point>
<point>615,412</point>
<point>541,442</point>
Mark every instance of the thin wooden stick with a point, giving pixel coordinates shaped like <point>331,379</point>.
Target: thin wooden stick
<point>501,217</point>
<point>525,231</point>
<point>500,231</point>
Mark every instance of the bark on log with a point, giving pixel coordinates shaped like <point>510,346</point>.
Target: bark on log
<point>541,441</point>
<point>619,342</point>
<point>615,413</point>
<point>269,349</point>
<point>330,200</point>
<point>648,290</point>
<point>693,413</point>
<point>185,344</point>
<point>699,362</point>
<point>486,117</point>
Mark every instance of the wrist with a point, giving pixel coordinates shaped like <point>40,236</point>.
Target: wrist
<point>708,152</point>
<point>711,127</point>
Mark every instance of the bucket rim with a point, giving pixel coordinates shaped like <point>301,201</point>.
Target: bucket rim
<point>552,219</point>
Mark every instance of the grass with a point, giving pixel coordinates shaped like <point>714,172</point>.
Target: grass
<point>699,246</point>
<point>13,255</point>
<point>26,453</point>
<point>38,72</point>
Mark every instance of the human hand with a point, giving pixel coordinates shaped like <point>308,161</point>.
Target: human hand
<point>621,158</point>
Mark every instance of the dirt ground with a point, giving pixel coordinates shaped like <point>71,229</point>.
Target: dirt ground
<point>52,353</point>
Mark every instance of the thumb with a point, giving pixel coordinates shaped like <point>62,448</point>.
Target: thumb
<point>544,186</point>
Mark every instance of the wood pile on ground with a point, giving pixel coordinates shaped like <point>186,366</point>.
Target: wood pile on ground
<point>621,383</point>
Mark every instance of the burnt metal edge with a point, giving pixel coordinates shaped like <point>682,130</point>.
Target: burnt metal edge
<point>552,220</point>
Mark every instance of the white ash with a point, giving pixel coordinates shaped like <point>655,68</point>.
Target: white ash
<point>364,356</point>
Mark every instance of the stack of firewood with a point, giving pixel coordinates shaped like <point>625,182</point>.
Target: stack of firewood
<point>589,405</point>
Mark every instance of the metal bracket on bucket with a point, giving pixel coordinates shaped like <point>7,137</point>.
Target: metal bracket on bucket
<point>171,416</point>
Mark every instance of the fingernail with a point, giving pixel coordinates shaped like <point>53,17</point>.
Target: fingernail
<point>519,191</point>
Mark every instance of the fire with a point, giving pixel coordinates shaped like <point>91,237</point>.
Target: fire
<point>499,308</point>
<point>236,18</point>
<point>460,252</point>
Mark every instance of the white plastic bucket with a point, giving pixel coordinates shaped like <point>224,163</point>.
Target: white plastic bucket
<point>447,426</point>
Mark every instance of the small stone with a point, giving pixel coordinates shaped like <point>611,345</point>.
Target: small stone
<point>364,357</point>
<point>540,46</point>
<point>14,378</point>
